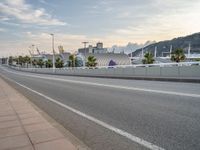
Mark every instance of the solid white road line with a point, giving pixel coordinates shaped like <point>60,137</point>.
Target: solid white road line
<point>123,133</point>
<point>111,86</point>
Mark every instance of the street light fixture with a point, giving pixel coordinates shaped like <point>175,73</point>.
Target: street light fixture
<point>53,51</point>
<point>32,46</point>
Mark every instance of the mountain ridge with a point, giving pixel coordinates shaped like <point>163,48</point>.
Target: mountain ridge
<point>163,47</point>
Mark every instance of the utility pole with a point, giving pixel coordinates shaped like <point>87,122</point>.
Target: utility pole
<point>170,51</point>
<point>31,55</point>
<point>189,49</point>
<point>85,43</point>
<point>155,52</point>
<point>142,52</point>
<point>18,59</point>
<point>53,51</point>
<point>74,61</point>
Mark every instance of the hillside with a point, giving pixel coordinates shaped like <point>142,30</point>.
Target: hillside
<point>163,47</point>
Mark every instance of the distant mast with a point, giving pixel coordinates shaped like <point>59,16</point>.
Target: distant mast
<point>142,52</point>
<point>189,49</point>
<point>155,52</point>
<point>170,51</point>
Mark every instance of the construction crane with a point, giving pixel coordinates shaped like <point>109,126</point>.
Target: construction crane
<point>31,50</point>
<point>30,53</point>
<point>38,51</point>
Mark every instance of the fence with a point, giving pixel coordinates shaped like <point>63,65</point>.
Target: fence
<point>184,70</point>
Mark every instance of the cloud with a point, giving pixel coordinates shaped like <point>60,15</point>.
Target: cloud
<point>27,14</point>
<point>118,22</point>
<point>43,40</point>
<point>43,1</point>
<point>2,30</point>
<point>58,36</point>
<point>125,14</point>
<point>3,18</point>
<point>101,7</point>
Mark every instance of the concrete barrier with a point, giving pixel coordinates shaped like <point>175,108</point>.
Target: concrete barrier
<point>172,71</point>
<point>190,71</point>
<point>140,71</point>
<point>186,73</point>
<point>153,71</point>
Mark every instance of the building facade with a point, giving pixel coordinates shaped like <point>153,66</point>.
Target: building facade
<point>98,49</point>
<point>103,57</point>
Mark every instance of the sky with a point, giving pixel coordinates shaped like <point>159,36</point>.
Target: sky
<point>114,22</point>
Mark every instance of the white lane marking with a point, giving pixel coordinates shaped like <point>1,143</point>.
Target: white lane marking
<point>123,133</point>
<point>111,86</point>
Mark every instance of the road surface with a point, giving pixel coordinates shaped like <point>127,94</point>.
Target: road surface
<point>117,114</point>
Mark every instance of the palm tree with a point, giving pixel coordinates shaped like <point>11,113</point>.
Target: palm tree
<point>148,58</point>
<point>20,60</point>
<point>49,63</point>
<point>91,61</point>
<point>40,63</point>
<point>16,59</point>
<point>72,60</point>
<point>34,62</point>
<point>27,60</point>
<point>59,63</point>
<point>178,55</point>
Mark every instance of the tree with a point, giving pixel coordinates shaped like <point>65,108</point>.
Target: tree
<point>178,55</point>
<point>15,59</point>
<point>197,59</point>
<point>148,58</point>
<point>20,60</point>
<point>72,60</point>
<point>40,63</point>
<point>27,60</point>
<point>10,60</point>
<point>34,62</point>
<point>91,61</point>
<point>49,63</point>
<point>59,63</point>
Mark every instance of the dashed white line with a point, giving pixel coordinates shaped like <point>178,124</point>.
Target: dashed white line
<point>123,133</point>
<point>110,86</point>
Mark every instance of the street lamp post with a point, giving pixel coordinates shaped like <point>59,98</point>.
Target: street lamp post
<point>31,55</point>
<point>18,58</point>
<point>53,51</point>
<point>85,43</point>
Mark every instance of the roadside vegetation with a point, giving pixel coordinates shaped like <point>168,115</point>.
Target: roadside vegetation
<point>148,58</point>
<point>59,63</point>
<point>196,59</point>
<point>72,61</point>
<point>178,55</point>
<point>91,61</point>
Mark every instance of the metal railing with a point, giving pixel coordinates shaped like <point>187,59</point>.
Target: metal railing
<point>183,70</point>
<point>127,66</point>
<point>140,65</point>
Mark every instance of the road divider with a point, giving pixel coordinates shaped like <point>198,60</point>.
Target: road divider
<point>166,72</point>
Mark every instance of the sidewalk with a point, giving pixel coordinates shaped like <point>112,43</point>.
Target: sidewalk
<point>22,127</point>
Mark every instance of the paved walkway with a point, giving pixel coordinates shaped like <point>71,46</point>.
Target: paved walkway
<point>22,127</point>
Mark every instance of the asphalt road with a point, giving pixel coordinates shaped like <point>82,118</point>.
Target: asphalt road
<point>166,114</point>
